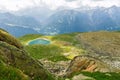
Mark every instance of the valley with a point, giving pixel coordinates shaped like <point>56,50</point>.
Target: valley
<point>59,39</point>
<point>60,56</point>
<point>71,56</point>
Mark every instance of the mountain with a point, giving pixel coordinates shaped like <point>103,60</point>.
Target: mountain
<point>17,31</point>
<point>66,21</point>
<point>83,20</point>
<point>26,21</point>
<point>39,13</point>
<point>18,25</point>
<point>60,21</point>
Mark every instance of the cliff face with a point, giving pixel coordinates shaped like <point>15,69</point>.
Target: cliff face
<point>12,54</point>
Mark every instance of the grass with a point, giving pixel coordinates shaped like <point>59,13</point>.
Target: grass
<point>103,76</point>
<point>51,52</point>
<point>10,73</point>
<point>98,75</point>
<point>62,47</point>
<point>13,54</point>
<point>6,37</point>
<point>66,37</point>
<point>107,43</point>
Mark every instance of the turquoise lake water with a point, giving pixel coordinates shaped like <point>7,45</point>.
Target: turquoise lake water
<point>39,41</point>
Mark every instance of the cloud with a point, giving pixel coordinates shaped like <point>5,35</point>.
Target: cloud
<point>82,0</point>
<point>70,0</point>
<point>15,4</point>
<point>98,0</point>
<point>54,4</point>
<point>101,3</point>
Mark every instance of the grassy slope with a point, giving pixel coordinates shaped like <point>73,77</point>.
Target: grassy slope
<point>10,73</point>
<point>15,63</point>
<point>103,76</point>
<point>66,37</point>
<point>99,75</point>
<point>28,37</point>
<point>63,47</point>
<point>51,52</point>
<point>6,37</point>
<point>102,43</point>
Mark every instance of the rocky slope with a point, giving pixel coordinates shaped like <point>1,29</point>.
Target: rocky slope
<point>12,54</point>
<point>102,45</point>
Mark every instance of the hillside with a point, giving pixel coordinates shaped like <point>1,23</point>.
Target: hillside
<point>73,53</point>
<point>16,64</point>
<point>75,56</point>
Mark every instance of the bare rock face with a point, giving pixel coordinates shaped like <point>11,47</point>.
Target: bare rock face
<point>86,63</point>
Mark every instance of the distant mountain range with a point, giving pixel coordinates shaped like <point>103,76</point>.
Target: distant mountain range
<point>18,25</point>
<point>62,21</point>
<point>17,30</point>
<point>78,20</point>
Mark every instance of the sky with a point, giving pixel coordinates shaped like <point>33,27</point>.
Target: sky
<point>14,5</point>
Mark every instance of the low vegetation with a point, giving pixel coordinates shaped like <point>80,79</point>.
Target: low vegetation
<point>10,73</point>
<point>29,37</point>
<point>102,76</point>
<point>16,64</point>
<point>66,37</point>
<point>97,75</point>
<point>50,52</point>
<point>62,47</point>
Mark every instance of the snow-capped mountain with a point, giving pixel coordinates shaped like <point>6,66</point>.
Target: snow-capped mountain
<point>66,21</point>
<point>38,13</point>
<point>17,31</point>
<point>18,25</point>
<point>63,20</point>
<point>25,21</point>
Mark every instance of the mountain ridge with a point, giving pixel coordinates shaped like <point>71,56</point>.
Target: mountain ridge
<point>65,21</point>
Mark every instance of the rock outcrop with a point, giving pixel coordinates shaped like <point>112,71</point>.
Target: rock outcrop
<point>86,63</point>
